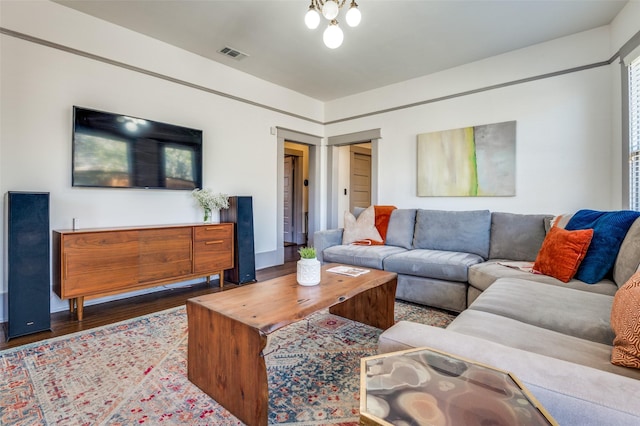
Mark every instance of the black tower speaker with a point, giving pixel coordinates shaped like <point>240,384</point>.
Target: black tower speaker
<point>240,212</point>
<point>27,263</point>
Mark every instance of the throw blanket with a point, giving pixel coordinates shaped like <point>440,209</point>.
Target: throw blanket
<point>383,214</point>
<point>609,230</point>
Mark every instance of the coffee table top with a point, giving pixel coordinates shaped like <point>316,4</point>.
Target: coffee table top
<point>426,386</point>
<point>270,305</point>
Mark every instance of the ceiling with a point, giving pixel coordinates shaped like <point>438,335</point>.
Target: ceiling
<point>397,40</point>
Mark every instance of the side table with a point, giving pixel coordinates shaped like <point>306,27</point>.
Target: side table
<point>428,387</point>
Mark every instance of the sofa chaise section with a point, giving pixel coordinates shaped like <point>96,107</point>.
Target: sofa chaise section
<point>573,394</point>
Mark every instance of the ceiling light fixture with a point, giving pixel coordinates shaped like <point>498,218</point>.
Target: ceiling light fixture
<point>333,35</point>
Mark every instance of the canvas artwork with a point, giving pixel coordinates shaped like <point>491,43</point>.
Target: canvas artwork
<point>478,161</point>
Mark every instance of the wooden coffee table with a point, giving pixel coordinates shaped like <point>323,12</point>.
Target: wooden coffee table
<point>228,330</point>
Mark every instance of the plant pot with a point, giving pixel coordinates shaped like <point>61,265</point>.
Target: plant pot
<point>308,272</point>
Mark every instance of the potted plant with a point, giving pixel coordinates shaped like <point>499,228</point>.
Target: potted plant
<point>308,267</point>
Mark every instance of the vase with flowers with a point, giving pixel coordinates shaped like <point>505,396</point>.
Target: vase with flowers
<point>210,202</point>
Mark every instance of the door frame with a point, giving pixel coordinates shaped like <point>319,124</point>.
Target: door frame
<point>314,142</point>
<point>334,142</point>
<point>298,196</point>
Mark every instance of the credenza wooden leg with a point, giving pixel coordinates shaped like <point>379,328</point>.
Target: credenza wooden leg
<point>80,307</point>
<point>72,305</point>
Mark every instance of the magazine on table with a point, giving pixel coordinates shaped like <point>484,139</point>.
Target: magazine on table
<point>351,271</point>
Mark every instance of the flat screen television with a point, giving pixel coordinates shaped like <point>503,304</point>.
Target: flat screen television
<point>120,151</point>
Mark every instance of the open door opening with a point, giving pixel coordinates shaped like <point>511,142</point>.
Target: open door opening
<point>296,194</point>
<point>354,178</point>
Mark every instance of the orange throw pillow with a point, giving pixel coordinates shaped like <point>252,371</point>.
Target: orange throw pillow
<point>383,214</point>
<point>625,323</point>
<point>561,252</point>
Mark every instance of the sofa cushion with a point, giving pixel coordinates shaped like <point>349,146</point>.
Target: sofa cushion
<point>518,334</point>
<point>362,228</point>
<point>628,259</point>
<point>516,236</point>
<point>575,313</point>
<point>561,252</point>
<point>482,275</point>
<point>439,264</point>
<point>401,226</point>
<point>449,295</point>
<point>625,322</point>
<point>366,256</point>
<point>463,231</point>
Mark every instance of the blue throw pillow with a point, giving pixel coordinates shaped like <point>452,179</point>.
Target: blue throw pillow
<point>609,229</point>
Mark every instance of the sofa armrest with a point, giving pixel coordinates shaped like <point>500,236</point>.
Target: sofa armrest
<point>325,239</point>
<point>573,394</point>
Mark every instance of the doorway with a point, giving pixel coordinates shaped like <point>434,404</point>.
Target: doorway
<point>336,188</point>
<point>295,194</point>
<point>353,174</point>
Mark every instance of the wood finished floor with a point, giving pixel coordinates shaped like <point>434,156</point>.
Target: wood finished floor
<point>107,313</point>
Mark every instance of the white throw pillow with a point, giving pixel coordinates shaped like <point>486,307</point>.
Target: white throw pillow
<point>362,228</point>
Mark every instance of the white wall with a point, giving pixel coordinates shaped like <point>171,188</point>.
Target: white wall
<point>564,148</point>
<point>40,85</point>
<point>623,28</point>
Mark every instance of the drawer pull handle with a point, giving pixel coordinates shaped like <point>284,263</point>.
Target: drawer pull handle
<point>214,242</point>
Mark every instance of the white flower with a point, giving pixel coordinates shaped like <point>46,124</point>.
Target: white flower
<point>210,201</point>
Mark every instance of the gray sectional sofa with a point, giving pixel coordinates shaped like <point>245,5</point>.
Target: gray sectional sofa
<point>555,336</point>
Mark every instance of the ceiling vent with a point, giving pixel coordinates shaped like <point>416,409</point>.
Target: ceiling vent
<point>232,53</point>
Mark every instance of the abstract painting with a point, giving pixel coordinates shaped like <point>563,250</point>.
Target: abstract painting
<point>478,161</point>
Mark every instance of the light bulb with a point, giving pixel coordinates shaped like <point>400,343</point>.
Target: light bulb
<point>312,19</point>
<point>330,9</point>
<point>353,15</point>
<point>333,35</point>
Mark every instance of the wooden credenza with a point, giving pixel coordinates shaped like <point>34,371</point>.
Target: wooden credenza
<point>98,262</point>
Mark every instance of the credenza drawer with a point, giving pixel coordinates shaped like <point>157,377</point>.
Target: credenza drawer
<point>213,255</point>
<point>213,232</point>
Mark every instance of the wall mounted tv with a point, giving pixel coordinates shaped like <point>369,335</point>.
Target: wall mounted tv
<point>120,151</point>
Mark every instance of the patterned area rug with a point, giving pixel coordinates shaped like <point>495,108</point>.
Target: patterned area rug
<point>135,372</point>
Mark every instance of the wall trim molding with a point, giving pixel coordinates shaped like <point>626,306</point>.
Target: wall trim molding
<point>352,138</point>
<point>154,74</point>
<point>478,90</point>
<point>150,73</point>
<point>296,136</point>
